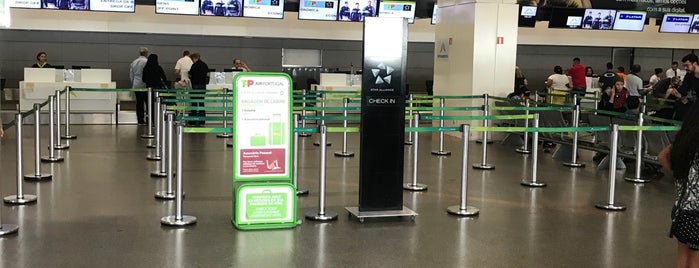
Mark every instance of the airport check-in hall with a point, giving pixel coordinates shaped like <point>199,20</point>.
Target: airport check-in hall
<point>348,133</point>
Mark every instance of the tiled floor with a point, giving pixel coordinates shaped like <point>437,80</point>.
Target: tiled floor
<point>99,211</point>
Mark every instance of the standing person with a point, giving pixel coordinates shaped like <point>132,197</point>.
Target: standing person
<point>41,61</point>
<point>369,10</point>
<point>345,12</point>
<point>608,78</point>
<point>682,158</point>
<point>657,75</point>
<point>577,77</point>
<point>153,74</point>
<point>621,71</point>
<point>689,87</point>
<point>675,71</point>
<point>199,76</point>
<point>182,66</point>
<point>634,84</point>
<point>136,76</point>
<point>240,65</point>
<point>589,72</point>
<point>520,91</point>
<point>558,83</point>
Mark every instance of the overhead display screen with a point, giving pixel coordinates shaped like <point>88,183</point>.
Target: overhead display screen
<point>273,9</point>
<point>629,20</point>
<point>397,9</point>
<point>318,10</point>
<point>527,16</point>
<point>598,19</point>
<point>180,7</point>
<point>24,3</point>
<point>221,8</point>
<point>434,14</point>
<point>353,10</point>
<point>570,18</point>
<point>112,5</point>
<point>676,23</point>
<point>66,4</point>
<point>695,25</point>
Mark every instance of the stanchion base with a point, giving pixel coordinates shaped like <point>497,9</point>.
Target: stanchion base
<point>315,215</point>
<point>301,191</point>
<point>304,134</point>
<point>61,146</point>
<point>173,221</point>
<point>317,143</point>
<point>228,144</point>
<point>441,152</point>
<point>523,151</point>
<point>481,141</point>
<point>362,215</point>
<point>606,206</point>
<point>414,187</point>
<point>8,229</point>
<point>158,173</point>
<point>483,166</point>
<point>637,180</point>
<point>150,145</point>
<point>38,177</point>
<point>469,211</point>
<point>69,137</point>
<point>408,142</point>
<point>166,195</point>
<point>224,135</point>
<point>574,165</point>
<point>51,159</point>
<point>153,157</point>
<point>344,154</point>
<point>532,183</point>
<point>26,199</point>
<point>146,136</point>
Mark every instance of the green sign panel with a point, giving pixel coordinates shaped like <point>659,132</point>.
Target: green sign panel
<point>265,206</point>
<point>262,151</point>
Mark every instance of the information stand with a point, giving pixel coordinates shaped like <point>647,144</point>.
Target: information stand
<point>264,197</point>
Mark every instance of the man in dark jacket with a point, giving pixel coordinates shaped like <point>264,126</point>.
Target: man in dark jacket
<point>199,76</point>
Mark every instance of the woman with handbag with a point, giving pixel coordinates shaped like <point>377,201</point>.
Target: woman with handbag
<point>682,158</point>
<point>154,75</point>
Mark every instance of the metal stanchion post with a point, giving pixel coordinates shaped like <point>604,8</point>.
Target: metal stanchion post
<point>68,135</point>
<point>52,151</point>
<point>441,150</point>
<point>321,214</point>
<point>158,114</point>
<point>463,209</point>
<point>610,203</point>
<point>414,186</point>
<point>154,109</point>
<point>8,228</point>
<point>525,148</point>
<point>484,162</point>
<point>149,119</point>
<point>322,121</point>
<point>178,219</point>
<point>295,174</point>
<point>638,177</point>
<point>344,152</point>
<point>410,121</point>
<point>20,198</point>
<point>168,193</point>
<point>303,113</point>
<point>37,148</point>
<point>574,156</point>
<point>486,112</point>
<point>59,143</point>
<point>225,114</point>
<point>535,158</point>
<point>161,172</point>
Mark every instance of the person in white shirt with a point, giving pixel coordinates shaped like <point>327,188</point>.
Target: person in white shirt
<point>558,83</point>
<point>136,75</point>
<point>183,65</point>
<point>658,73</point>
<point>675,71</point>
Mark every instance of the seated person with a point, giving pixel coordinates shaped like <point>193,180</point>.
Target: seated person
<point>614,99</point>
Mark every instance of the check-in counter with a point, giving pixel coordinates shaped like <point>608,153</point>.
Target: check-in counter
<point>39,83</point>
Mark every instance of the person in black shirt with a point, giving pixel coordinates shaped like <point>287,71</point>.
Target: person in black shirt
<point>608,78</point>
<point>41,61</point>
<point>689,87</point>
<point>199,76</point>
<point>153,74</point>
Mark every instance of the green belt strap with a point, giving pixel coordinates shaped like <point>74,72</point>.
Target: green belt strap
<point>338,91</point>
<point>193,100</point>
<point>431,129</point>
<point>330,118</point>
<point>457,97</point>
<point>206,130</point>
<point>306,129</point>
<point>202,118</point>
<point>524,108</point>
<point>499,98</point>
<point>28,113</point>
<point>474,108</point>
<point>44,103</point>
<point>662,120</point>
<point>540,129</point>
<point>478,117</point>
<point>198,108</point>
<point>419,101</point>
<point>187,95</point>
<point>354,108</point>
<point>649,128</point>
<point>203,91</point>
<point>343,129</point>
<point>111,89</point>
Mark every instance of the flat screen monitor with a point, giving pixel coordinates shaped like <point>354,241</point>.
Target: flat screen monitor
<point>527,16</point>
<point>66,4</point>
<point>570,18</point>
<point>598,19</point>
<point>228,70</point>
<point>676,23</point>
<point>434,14</point>
<point>222,8</point>
<point>626,20</point>
<point>318,10</point>
<point>58,66</point>
<point>35,4</point>
<point>272,9</point>
<point>356,10</point>
<point>397,9</point>
<point>80,67</point>
<point>113,5</point>
<point>694,28</point>
<point>178,7</point>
